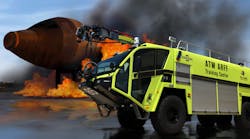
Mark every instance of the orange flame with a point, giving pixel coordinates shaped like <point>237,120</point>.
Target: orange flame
<point>108,49</point>
<point>43,87</point>
<point>146,39</point>
<point>68,89</point>
<point>38,86</point>
<point>112,47</point>
<point>84,62</point>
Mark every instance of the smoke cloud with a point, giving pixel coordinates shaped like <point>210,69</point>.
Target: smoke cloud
<point>218,25</point>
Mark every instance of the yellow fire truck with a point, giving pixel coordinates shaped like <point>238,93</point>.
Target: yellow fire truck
<point>168,85</point>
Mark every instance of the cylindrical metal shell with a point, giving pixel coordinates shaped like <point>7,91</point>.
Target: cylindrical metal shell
<point>52,44</point>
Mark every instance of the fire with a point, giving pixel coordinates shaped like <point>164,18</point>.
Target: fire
<point>38,86</point>
<point>112,47</point>
<point>84,62</point>
<point>68,89</point>
<point>44,87</point>
<point>108,49</point>
<point>146,39</point>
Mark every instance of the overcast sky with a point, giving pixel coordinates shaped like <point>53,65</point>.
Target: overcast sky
<point>21,14</point>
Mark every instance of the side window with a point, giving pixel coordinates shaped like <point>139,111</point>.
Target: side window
<point>139,88</point>
<point>161,57</point>
<point>144,60</point>
<point>122,77</point>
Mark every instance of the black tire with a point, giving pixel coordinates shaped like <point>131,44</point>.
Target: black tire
<point>207,120</point>
<point>170,116</point>
<point>128,119</point>
<point>243,121</point>
<point>224,121</point>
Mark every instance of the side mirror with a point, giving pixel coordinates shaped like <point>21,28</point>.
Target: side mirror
<point>112,65</point>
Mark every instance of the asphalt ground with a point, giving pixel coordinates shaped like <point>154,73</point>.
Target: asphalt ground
<point>39,118</point>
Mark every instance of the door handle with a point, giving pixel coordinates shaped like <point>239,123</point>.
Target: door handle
<point>135,75</point>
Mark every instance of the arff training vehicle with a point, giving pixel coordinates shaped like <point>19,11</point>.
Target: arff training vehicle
<point>168,85</point>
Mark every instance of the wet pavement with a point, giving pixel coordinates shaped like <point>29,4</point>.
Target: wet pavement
<point>32,118</point>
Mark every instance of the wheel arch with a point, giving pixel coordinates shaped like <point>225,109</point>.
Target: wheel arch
<point>170,104</point>
<point>181,93</point>
<point>245,99</point>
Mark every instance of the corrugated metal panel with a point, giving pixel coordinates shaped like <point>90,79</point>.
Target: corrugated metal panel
<point>182,73</point>
<point>183,68</point>
<point>204,95</point>
<point>227,95</point>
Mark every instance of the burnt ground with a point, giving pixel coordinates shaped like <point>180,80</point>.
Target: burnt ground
<point>36,118</point>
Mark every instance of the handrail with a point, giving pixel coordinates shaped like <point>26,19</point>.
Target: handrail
<point>184,45</point>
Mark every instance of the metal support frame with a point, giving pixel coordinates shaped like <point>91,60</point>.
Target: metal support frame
<point>139,114</point>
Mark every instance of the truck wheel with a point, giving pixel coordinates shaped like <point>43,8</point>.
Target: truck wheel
<point>170,116</point>
<point>243,121</point>
<point>207,120</point>
<point>224,121</point>
<point>127,118</point>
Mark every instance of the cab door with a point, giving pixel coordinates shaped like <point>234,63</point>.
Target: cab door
<point>140,72</point>
<point>145,71</point>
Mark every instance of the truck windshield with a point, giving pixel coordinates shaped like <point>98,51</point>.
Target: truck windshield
<point>104,66</point>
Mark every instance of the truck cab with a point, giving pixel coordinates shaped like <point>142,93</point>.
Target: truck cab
<point>130,74</point>
<point>131,82</point>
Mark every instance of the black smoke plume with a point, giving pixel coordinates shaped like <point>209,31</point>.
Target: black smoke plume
<point>218,25</point>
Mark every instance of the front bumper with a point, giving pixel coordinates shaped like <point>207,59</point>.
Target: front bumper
<point>100,92</point>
